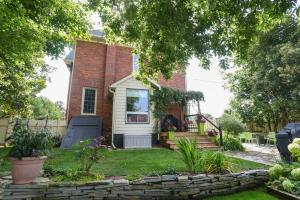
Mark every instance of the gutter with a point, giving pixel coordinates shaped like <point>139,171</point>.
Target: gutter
<point>113,117</point>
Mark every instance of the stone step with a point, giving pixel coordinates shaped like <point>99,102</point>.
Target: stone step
<point>182,134</point>
<point>198,142</point>
<point>206,147</point>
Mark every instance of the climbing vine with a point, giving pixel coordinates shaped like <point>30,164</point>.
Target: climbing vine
<point>165,96</point>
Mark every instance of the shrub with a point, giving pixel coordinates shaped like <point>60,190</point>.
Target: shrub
<point>231,124</point>
<point>287,185</point>
<point>27,143</point>
<point>294,148</point>
<point>87,152</point>
<point>216,162</point>
<point>230,143</point>
<point>296,174</point>
<point>276,171</point>
<point>190,154</point>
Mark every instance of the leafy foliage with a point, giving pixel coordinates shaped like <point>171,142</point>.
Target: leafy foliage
<point>276,171</point>
<point>190,154</point>
<point>42,108</point>
<point>231,124</point>
<point>294,148</point>
<point>202,161</point>
<point>230,143</point>
<point>165,96</point>
<point>30,30</point>
<point>88,153</point>
<point>287,185</point>
<point>62,175</point>
<point>296,174</point>
<point>167,33</point>
<point>266,82</point>
<point>26,143</point>
<point>216,162</point>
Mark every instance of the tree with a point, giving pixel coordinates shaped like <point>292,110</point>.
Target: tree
<point>266,84</point>
<point>167,33</point>
<point>42,108</point>
<point>29,30</point>
<point>61,107</point>
<point>231,124</point>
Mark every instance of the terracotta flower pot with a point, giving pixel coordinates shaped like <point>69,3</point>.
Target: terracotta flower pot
<point>27,169</point>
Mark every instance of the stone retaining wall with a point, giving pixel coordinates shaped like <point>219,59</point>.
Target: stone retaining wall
<point>161,187</point>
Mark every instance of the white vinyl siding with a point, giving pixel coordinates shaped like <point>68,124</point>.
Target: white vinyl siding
<point>120,125</point>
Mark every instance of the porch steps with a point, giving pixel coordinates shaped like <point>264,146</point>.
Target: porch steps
<point>203,142</point>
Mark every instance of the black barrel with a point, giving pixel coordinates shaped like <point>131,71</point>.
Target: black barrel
<point>286,136</point>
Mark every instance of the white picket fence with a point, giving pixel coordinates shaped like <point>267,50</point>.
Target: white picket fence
<point>57,127</point>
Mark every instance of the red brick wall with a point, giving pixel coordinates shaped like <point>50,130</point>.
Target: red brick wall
<point>99,65</point>
<point>177,81</point>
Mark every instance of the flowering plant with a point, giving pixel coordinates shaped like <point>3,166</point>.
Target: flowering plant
<point>294,148</point>
<point>169,125</point>
<point>88,153</point>
<point>200,119</point>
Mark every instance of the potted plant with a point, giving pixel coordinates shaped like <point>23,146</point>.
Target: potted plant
<point>171,131</point>
<point>28,153</point>
<point>212,135</point>
<point>200,124</point>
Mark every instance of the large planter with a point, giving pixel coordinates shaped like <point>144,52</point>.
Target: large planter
<point>27,169</point>
<point>201,128</point>
<point>170,135</point>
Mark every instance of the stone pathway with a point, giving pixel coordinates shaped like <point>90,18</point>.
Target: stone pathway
<point>265,154</point>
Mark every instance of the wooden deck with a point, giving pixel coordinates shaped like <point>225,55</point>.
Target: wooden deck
<point>203,142</point>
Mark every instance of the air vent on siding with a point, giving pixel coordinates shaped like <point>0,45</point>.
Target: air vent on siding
<point>137,141</point>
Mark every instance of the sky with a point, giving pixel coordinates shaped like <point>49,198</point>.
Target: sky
<point>210,82</point>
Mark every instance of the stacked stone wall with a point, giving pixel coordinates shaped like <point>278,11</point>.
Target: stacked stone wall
<point>160,187</point>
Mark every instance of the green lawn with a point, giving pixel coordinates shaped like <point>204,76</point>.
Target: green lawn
<point>130,162</point>
<point>259,194</point>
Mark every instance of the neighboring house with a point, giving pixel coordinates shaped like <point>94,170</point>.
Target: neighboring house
<point>102,84</point>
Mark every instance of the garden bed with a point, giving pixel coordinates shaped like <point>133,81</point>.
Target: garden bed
<point>282,194</point>
<point>157,187</point>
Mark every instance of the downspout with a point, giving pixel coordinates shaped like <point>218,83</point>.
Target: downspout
<point>113,118</point>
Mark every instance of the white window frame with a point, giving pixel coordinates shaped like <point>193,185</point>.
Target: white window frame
<point>142,113</point>
<point>82,101</point>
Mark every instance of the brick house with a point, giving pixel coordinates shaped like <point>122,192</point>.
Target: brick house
<point>102,84</point>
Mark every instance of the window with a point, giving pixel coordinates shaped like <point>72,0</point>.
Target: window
<point>137,106</point>
<point>135,63</point>
<point>89,98</point>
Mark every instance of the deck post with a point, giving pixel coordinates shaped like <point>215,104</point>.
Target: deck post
<point>221,136</point>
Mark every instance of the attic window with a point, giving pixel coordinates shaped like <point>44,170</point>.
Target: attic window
<point>89,98</point>
<point>137,106</point>
<point>135,63</point>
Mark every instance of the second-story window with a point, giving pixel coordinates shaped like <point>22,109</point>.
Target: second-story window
<point>135,62</point>
<point>89,98</point>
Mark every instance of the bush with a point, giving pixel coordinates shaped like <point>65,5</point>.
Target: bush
<point>231,124</point>
<point>216,162</point>
<point>230,143</point>
<point>27,143</point>
<point>296,174</point>
<point>190,154</point>
<point>287,185</point>
<point>88,153</point>
<point>294,148</point>
<point>276,171</point>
